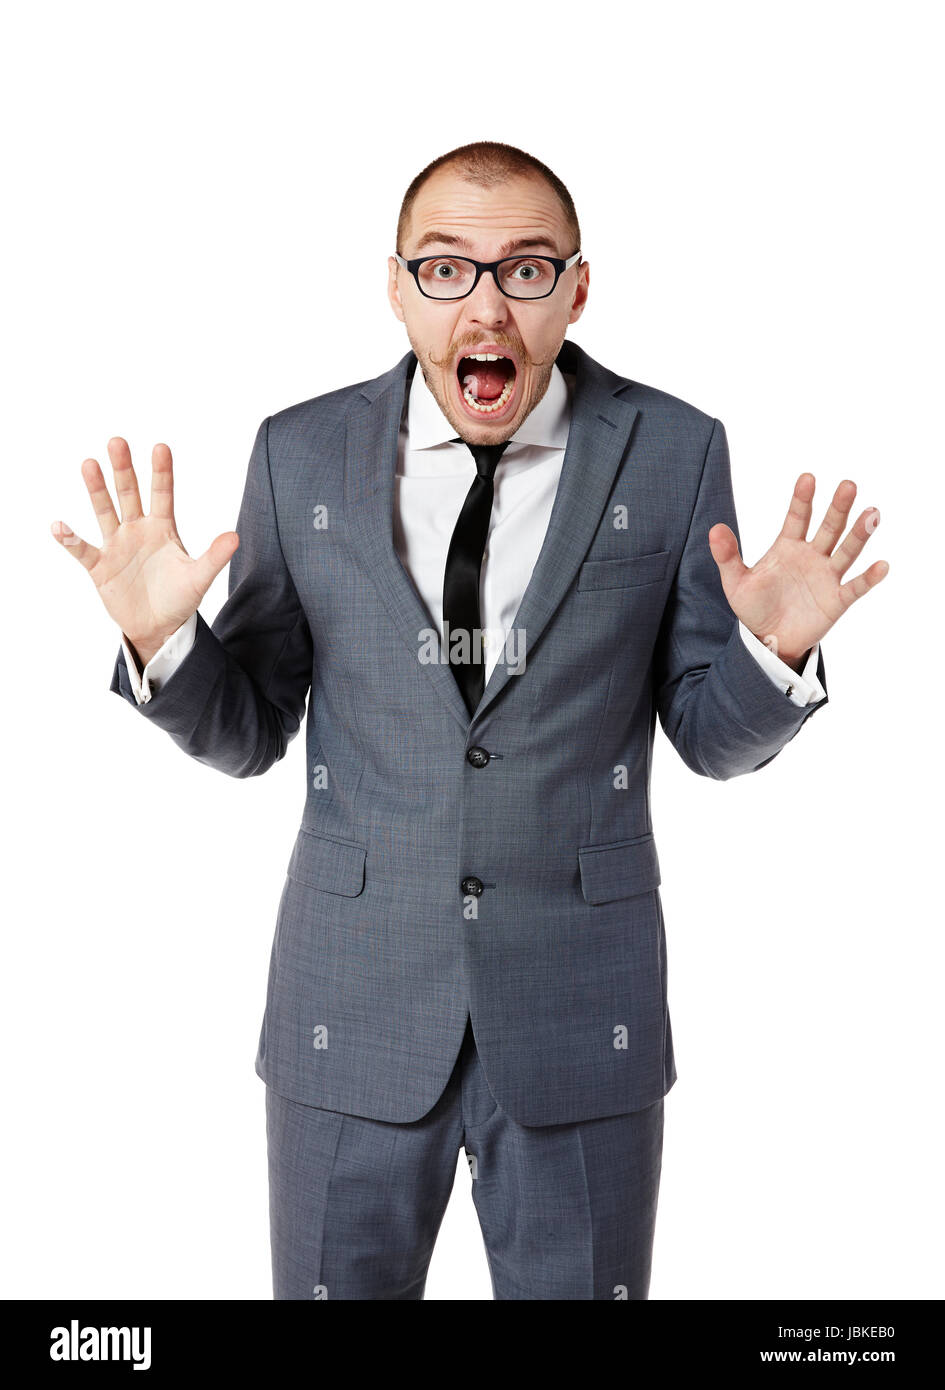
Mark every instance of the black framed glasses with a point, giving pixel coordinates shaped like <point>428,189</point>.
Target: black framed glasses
<point>519,277</point>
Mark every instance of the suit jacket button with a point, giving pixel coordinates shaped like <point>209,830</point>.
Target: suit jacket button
<point>473,886</point>
<point>478,757</point>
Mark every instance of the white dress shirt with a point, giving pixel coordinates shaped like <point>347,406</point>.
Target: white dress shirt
<point>432,479</point>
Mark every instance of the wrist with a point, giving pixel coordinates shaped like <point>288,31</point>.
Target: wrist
<point>791,658</point>
<point>144,648</point>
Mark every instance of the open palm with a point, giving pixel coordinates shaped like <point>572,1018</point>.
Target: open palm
<point>794,592</point>
<point>145,578</point>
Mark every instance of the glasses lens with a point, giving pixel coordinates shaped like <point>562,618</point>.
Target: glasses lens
<point>529,277</point>
<point>450,277</point>
<point>447,277</point>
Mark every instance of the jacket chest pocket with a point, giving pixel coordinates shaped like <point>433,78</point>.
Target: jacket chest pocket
<point>331,866</point>
<point>623,573</point>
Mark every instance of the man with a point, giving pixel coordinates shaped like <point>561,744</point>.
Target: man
<point>469,949</point>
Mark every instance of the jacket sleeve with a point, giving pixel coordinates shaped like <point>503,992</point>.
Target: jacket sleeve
<point>238,696</point>
<point>721,710</point>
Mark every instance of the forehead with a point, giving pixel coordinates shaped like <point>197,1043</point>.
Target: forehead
<point>518,208</point>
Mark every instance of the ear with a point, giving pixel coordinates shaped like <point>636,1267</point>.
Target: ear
<point>580,293</point>
<point>393,291</point>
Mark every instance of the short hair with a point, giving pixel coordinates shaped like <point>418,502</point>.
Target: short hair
<point>487,163</point>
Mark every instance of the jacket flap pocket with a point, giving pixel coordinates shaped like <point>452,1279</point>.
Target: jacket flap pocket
<point>333,866</point>
<point>619,870</point>
<point>620,574</point>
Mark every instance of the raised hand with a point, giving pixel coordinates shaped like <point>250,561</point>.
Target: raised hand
<point>145,578</point>
<point>794,593</point>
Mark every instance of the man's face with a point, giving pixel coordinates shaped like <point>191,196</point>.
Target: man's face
<point>529,332</point>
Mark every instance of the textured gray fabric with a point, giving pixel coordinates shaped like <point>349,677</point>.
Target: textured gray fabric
<point>375,964</point>
<point>566,1211</point>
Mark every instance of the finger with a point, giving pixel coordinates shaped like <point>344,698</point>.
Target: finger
<point>855,588</point>
<point>723,545</point>
<point>86,554</point>
<point>797,519</point>
<point>837,513</point>
<point>126,484</point>
<point>162,482</point>
<point>855,539</point>
<point>100,497</point>
<point>211,562</point>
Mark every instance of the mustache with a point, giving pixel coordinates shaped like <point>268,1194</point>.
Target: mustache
<point>454,354</point>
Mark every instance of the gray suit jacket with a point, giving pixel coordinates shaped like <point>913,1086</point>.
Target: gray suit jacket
<point>378,951</point>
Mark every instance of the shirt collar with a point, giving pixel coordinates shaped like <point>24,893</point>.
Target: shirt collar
<point>547,424</point>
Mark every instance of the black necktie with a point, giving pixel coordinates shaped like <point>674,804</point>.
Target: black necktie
<point>463,565</point>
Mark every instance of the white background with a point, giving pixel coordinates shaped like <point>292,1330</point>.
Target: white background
<point>757,187</point>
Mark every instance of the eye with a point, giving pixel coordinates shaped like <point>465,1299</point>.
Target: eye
<point>528,271</point>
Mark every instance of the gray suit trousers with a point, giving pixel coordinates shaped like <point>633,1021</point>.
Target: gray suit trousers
<point>567,1211</point>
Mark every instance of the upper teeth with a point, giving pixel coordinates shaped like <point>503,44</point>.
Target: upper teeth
<point>486,356</point>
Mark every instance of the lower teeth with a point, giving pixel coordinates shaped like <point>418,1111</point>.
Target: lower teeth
<point>493,405</point>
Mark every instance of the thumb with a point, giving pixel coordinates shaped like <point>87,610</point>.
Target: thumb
<point>217,555</point>
<point>723,545</point>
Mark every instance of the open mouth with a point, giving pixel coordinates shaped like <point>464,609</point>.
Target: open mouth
<point>486,383</point>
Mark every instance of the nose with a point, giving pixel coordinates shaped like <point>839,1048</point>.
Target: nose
<point>487,303</point>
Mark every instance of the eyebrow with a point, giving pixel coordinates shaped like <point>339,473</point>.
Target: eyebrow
<point>506,249</point>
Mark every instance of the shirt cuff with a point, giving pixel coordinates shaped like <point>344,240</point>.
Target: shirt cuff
<point>163,663</point>
<point>801,688</point>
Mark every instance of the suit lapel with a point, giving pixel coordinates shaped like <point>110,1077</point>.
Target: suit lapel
<point>601,423</point>
<point>370,465</point>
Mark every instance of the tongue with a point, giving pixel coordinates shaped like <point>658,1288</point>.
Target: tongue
<point>490,377</point>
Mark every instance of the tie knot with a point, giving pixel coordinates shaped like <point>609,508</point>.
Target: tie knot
<point>486,455</point>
